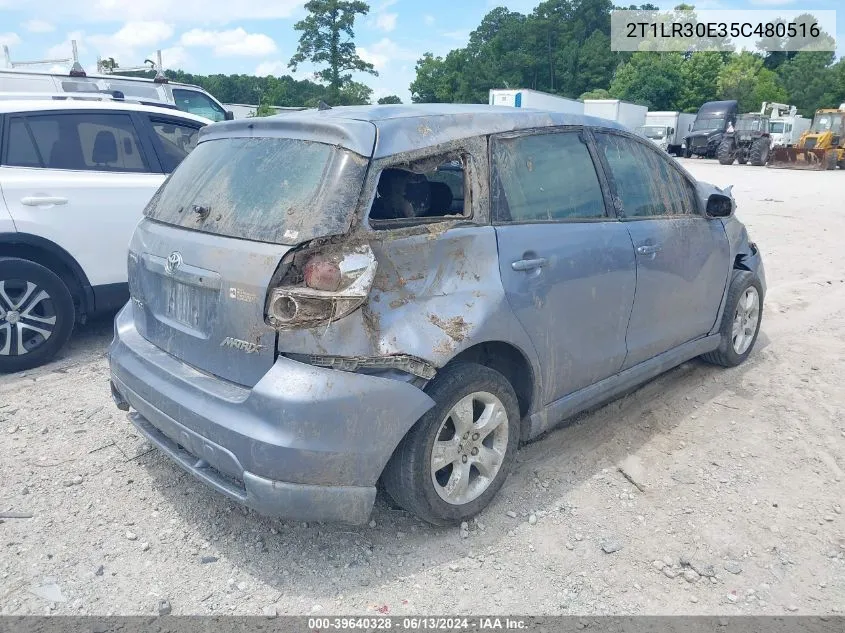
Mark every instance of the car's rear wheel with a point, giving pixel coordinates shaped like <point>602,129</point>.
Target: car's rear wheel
<point>36,314</point>
<point>740,321</point>
<point>457,456</point>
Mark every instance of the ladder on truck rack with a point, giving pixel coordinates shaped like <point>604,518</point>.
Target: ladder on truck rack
<point>106,95</point>
<point>76,69</point>
<point>106,68</point>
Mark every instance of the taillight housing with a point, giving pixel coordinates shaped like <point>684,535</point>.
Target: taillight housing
<point>328,286</point>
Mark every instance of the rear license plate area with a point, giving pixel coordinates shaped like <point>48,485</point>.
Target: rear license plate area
<point>184,303</point>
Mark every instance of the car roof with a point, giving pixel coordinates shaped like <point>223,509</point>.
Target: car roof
<point>65,75</point>
<point>49,104</point>
<point>392,129</point>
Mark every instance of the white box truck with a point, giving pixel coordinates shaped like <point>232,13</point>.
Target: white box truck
<point>667,130</point>
<point>630,115</point>
<point>785,124</point>
<point>524,98</point>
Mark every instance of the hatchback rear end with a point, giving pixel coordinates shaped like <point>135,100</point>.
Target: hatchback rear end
<point>216,277</point>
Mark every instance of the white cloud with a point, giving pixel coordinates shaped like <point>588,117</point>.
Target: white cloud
<point>274,68</point>
<point>386,21</point>
<point>173,58</point>
<point>133,35</point>
<point>182,12</point>
<point>65,49</point>
<point>382,53</point>
<point>771,2</point>
<point>38,26</point>
<point>233,42</point>
<point>9,39</point>
<point>429,20</point>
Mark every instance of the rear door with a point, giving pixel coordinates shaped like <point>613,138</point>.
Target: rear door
<point>683,258</point>
<point>567,266</point>
<point>80,179</point>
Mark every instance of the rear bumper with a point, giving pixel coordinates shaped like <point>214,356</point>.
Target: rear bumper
<point>304,443</point>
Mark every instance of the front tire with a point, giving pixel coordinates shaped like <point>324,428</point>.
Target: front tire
<point>740,322</point>
<point>36,314</point>
<point>725,153</point>
<point>456,457</point>
<point>759,153</point>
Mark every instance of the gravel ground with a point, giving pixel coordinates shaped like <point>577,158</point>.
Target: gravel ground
<point>736,508</point>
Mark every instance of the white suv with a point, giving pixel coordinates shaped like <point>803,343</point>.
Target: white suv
<point>75,176</point>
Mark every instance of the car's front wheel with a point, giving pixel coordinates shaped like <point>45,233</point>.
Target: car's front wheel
<point>457,456</point>
<point>36,314</point>
<point>740,322</point>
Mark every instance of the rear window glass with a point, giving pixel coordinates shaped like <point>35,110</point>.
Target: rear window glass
<point>265,189</point>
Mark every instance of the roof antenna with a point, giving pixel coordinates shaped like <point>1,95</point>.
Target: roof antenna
<point>322,105</point>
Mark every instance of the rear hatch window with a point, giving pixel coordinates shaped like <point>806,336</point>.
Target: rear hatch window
<point>277,190</point>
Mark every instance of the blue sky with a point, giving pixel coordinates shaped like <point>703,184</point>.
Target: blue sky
<point>257,36</point>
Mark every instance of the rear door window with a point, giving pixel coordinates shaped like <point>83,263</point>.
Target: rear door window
<point>173,141</point>
<point>77,141</point>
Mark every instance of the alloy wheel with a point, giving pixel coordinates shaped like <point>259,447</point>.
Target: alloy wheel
<point>745,320</point>
<point>27,317</point>
<point>469,448</point>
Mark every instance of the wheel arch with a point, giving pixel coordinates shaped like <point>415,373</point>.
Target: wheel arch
<point>51,255</point>
<point>514,365</point>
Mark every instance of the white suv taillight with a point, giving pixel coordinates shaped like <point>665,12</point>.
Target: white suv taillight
<point>330,286</point>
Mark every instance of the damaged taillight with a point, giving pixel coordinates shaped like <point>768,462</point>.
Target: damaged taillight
<point>325,288</point>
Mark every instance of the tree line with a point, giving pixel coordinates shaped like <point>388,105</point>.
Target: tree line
<point>562,47</point>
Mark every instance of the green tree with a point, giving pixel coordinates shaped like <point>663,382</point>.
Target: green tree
<point>390,100</point>
<point>355,93</point>
<point>599,93</point>
<point>699,80</point>
<point>328,39</point>
<point>651,79</point>
<point>808,78</point>
<point>745,79</point>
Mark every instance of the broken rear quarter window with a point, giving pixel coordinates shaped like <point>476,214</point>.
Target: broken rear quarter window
<point>430,188</point>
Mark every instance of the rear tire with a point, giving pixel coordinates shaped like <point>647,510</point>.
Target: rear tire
<point>725,153</point>
<point>740,321</point>
<point>759,153</point>
<point>830,159</point>
<point>470,399</point>
<point>687,153</point>
<point>37,314</point>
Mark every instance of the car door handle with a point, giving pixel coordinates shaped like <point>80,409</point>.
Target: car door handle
<point>38,201</point>
<point>528,264</point>
<point>649,249</point>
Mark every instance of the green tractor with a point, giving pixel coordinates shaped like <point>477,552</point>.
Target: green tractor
<point>750,142</point>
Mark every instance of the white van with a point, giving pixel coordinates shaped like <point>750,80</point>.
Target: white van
<point>185,97</point>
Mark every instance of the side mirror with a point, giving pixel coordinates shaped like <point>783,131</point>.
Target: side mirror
<point>719,206</point>
<point>230,116</point>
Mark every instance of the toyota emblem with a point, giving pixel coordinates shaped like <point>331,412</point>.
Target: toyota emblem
<point>174,261</point>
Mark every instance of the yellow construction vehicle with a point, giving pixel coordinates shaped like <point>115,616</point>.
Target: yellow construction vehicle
<point>820,147</point>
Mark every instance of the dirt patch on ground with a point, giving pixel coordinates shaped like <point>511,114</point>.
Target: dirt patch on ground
<point>735,505</point>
